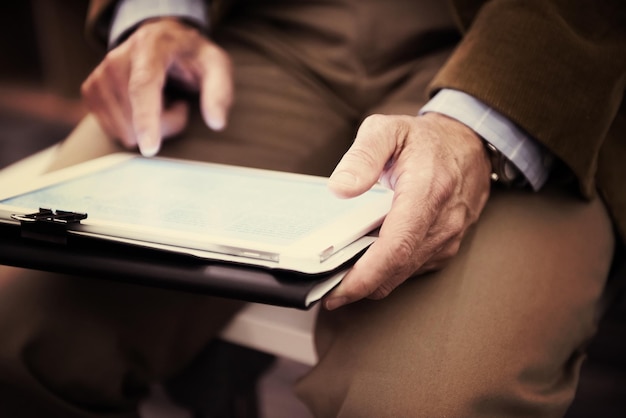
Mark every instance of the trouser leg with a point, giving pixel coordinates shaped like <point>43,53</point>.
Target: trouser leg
<point>72,345</point>
<point>501,331</point>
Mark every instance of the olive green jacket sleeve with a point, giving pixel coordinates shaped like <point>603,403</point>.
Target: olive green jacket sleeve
<point>557,68</point>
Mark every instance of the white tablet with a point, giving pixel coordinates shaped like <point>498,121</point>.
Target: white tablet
<point>244,215</point>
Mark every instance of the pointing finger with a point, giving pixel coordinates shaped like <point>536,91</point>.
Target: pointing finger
<point>147,78</point>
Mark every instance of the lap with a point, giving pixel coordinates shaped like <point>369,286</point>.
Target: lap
<point>500,331</point>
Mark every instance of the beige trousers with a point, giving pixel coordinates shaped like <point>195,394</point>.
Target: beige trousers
<point>501,331</point>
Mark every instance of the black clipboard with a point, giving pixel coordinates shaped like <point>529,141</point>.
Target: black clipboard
<point>41,242</point>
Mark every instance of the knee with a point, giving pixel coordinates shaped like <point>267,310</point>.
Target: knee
<point>390,366</point>
<point>434,390</point>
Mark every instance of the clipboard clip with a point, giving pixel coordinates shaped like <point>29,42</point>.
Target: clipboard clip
<point>48,225</point>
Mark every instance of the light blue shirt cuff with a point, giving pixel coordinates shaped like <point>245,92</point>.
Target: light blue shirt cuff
<point>129,13</point>
<point>530,157</point>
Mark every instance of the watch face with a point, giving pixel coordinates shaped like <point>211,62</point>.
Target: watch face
<point>504,171</point>
<point>510,172</point>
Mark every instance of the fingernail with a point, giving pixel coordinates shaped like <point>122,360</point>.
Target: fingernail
<point>335,302</point>
<point>343,178</point>
<point>216,123</point>
<point>147,146</point>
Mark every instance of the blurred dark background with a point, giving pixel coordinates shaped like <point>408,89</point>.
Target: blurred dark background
<point>44,59</point>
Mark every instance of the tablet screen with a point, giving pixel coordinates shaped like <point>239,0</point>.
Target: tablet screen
<point>217,201</point>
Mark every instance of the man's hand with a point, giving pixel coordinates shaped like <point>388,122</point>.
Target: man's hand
<point>439,170</point>
<point>125,92</point>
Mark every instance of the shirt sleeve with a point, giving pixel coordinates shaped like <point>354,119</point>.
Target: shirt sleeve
<point>530,157</point>
<point>129,13</point>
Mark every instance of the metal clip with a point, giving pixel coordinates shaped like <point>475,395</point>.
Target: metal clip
<point>48,225</point>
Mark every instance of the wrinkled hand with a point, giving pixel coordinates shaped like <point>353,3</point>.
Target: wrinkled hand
<point>439,171</point>
<point>125,92</point>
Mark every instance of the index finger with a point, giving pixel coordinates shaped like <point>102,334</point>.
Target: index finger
<point>217,90</point>
<point>145,93</point>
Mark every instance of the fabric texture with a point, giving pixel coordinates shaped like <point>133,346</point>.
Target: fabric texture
<point>556,69</point>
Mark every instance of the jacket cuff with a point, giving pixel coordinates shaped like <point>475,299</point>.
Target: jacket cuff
<point>528,156</point>
<point>129,14</point>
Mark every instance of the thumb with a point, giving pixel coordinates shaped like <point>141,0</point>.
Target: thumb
<point>361,166</point>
